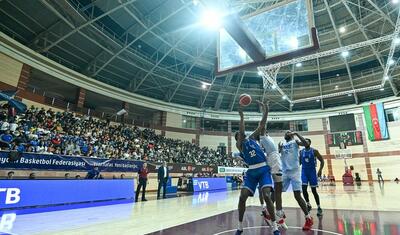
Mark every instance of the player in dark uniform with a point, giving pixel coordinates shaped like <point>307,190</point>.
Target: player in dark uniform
<point>309,176</point>
<point>258,172</point>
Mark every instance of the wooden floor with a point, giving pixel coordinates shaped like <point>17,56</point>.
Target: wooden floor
<point>344,206</point>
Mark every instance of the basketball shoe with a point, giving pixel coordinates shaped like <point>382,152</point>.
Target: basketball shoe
<point>308,224</point>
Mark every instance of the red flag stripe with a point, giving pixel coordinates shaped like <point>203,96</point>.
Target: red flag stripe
<point>375,122</point>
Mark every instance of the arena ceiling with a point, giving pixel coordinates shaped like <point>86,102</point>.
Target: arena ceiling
<point>157,48</point>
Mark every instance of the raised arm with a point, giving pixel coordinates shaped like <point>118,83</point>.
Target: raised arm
<point>241,130</point>
<point>303,141</point>
<point>261,125</point>
<point>321,160</point>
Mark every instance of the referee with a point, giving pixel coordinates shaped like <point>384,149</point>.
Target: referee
<point>143,172</point>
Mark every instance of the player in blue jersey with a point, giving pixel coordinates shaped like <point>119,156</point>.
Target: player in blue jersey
<point>309,175</point>
<point>289,150</point>
<point>275,164</point>
<point>258,172</point>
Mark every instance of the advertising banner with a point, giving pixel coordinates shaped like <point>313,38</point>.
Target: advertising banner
<point>209,184</point>
<point>27,193</point>
<point>34,161</point>
<point>231,170</point>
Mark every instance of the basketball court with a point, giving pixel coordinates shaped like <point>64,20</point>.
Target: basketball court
<point>328,70</point>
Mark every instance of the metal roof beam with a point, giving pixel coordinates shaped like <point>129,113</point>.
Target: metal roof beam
<point>374,51</point>
<point>76,29</point>
<point>341,45</point>
<point>220,96</point>
<point>137,38</point>
<point>208,91</point>
<point>320,83</point>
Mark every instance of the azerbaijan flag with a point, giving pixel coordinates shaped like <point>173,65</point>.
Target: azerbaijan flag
<point>376,123</point>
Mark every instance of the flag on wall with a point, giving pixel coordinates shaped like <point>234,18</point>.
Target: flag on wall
<point>376,122</point>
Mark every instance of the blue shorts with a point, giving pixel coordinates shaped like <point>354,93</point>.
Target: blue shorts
<point>309,176</point>
<point>291,177</point>
<point>260,176</point>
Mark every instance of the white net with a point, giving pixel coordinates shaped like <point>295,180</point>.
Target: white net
<point>269,77</point>
<point>343,154</point>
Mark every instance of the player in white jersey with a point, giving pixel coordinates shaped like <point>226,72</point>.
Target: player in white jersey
<point>274,162</point>
<point>291,170</point>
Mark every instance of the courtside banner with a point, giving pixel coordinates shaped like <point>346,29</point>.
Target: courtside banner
<point>57,162</point>
<point>209,184</point>
<point>231,170</point>
<point>27,193</point>
<point>375,120</point>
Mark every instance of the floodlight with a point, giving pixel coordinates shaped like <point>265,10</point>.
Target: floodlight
<point>211,19</point>
<point>345,54</point>
<point>294,43</point>
<point>284,97</point>
<point>260,73</point>
<point>391,62</point>
<point>342,29</point>
<point>299,65</point>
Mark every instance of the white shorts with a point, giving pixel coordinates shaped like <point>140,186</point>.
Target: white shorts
<point>292,177</point>
<point>275,164</point>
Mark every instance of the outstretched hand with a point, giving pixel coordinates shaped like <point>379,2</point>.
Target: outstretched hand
<point>240,109</point>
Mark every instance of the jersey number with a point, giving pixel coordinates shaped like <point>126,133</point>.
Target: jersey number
<point>252,153</point>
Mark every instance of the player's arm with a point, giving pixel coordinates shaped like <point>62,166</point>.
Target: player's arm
<point>302,141</point>
<point>300,157</point>
<point>261,125</point>
<point>241,129</point>
<point>321,160</point>
<point>280,146</point>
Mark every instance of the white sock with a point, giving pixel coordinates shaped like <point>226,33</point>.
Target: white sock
<point>240,226</point>
<point>274,226</point>
<point>279,213</point>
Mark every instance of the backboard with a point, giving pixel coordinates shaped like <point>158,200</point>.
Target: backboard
<point>284,32</point>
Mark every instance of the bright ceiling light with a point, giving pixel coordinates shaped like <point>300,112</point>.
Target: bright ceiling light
<point>260,73</point>
<point>382,89</point>
<point>317,100</point>
<point>294,43</point>
<point>396,41</point>
<point>211,19</point>
<point>284,97</point>
<point>336,87</point>
<point>391,62</point>
<point>242,53</point>
<point>395,1</point>
<point>349,94</point>
<point>273,86</point>
<point>299,65</point>
<point>204,86</point>
<point>345,54</point>
<point>342,29</point>
<point>386,77</point>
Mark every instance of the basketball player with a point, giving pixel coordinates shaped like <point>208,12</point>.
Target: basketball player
<point>308,163</point>
<point>274,162</point>
<point>258,172</point>
<point>289,150</point>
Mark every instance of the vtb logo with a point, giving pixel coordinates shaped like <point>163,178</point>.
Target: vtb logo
<point>203,185</point>
<point>12,195</point>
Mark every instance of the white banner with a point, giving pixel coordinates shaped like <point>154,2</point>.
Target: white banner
<point>231,170</point>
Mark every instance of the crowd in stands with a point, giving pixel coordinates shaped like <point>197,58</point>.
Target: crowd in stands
<point>67,133</point>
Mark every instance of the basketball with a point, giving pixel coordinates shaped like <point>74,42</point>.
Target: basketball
<point>245,99</point>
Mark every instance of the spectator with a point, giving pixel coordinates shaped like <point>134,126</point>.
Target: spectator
<point>93,174</point>
<point>122,176</point>
<point>163,175</point>
<point>396,180</point>
<point>66,176</point>
<point>78,177</point>
<point>32,176</point>
<point>143,172</point>
<point>10,175</point>
<point>379,173</point>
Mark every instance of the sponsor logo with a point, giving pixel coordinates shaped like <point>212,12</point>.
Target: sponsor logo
<point>203,185</point>
<point>11,195</point>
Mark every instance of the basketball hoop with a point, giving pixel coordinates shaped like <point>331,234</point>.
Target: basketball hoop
<point>343,154</point>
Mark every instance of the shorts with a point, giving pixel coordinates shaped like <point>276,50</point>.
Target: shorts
<point>260,176</point>
<point>275,163</point>
<point>292,177</point>
<point>309,176</point>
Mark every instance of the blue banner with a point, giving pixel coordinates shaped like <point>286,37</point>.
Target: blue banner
<point>209,184</point>
<point>66,163</point>
<point>27,193</point>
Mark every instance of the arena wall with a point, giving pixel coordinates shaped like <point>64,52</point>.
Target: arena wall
<point>10,70</point>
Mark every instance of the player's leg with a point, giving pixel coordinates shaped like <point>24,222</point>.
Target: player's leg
<point>296,185</point>
<point>305,180</point>
<point>314,184</point>
<point>138,191</point>
<point>250,184</point>
<point>266,185</point>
